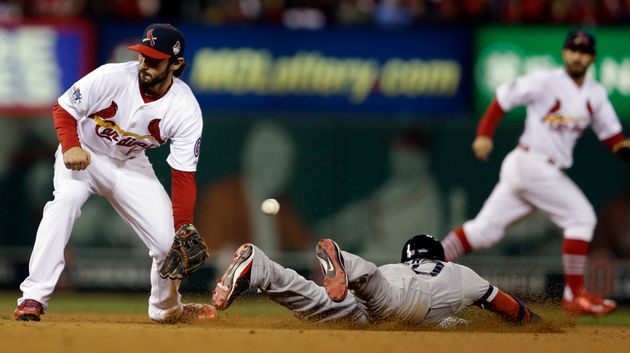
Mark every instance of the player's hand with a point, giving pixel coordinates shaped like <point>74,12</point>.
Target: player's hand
<point>622,150</point>
<point>482,146</point>
<point>76,158</point>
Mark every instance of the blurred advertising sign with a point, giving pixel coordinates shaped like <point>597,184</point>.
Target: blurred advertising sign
<point>40,61</point>
<point>504,53</point>
<point>409,73</point>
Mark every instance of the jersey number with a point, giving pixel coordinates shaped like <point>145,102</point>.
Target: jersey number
<point>436,270</point>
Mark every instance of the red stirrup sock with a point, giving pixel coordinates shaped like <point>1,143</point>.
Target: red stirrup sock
<point>574,255</point>
<point>456,244</point>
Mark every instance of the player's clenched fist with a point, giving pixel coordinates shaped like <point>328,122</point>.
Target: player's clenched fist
<point>482,146</point>
<point>76,158</point>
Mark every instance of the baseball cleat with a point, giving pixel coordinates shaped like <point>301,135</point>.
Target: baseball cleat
<point>586,303</point>
<point>452,322</point>
<point>29,310</point>
<point>335,277</point>
<point>236,278</point>
<point>197,313</point>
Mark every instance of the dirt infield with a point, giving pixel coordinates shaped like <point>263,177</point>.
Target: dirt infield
<point>119,333</point>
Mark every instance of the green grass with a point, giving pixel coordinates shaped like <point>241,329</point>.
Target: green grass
<point>136,303</point>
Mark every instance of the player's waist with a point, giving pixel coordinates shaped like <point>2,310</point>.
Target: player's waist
<point>541,155</point>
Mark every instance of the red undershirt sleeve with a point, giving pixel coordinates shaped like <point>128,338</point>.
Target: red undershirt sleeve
<point>490,119</point>
<point>183,195</point>
<point>613,140</point>
<point>66,127</point>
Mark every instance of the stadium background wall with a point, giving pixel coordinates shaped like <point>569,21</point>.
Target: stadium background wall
<point>378,150</point>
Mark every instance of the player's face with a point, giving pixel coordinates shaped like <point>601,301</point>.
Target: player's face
<point>576,62</point>
<point>152,71</point>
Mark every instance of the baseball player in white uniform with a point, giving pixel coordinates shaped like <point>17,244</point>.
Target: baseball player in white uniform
<point>422,289</point>
<point>561,104</point>
<point>104,123</point>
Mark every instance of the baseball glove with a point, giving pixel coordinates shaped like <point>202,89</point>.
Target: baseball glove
<point>187,254</point>
<point>622,150</point>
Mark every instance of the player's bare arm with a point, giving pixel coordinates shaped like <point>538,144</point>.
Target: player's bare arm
<point>76,158</point>
<point>482,147</point>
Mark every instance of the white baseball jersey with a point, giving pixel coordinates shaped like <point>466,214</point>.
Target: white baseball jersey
<point>116,126</point>
<point>113,120</point>
<point>558,112</point>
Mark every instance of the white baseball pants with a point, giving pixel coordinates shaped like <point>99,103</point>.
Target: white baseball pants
<point>139,198</point>
<point>529,180</point>
<point>303,297</point>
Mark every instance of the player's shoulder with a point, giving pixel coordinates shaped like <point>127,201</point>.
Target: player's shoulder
<point>117,71</point>
<point>544,75</point>
<point>533,79</point>
<point>596,88</point>
<point>184,96</point>
<point>129,67</point>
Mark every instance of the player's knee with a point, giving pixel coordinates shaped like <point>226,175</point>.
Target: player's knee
<point>163,245</point>
<point>583,228</point>
<point>590,219</point>
<point>70,199</point>
<point>483,234</point>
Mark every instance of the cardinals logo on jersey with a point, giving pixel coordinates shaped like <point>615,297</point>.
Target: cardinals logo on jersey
<point>562,123</point>
<point>107,129</point>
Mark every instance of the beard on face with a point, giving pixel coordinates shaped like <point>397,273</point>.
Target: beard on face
<point>576,70</point>
<point>148,81</point>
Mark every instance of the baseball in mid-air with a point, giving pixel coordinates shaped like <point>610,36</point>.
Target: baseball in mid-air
<point>270,207</point>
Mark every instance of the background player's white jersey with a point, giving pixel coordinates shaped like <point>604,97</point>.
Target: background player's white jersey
<point>113,119</point>
<point>558,112</point>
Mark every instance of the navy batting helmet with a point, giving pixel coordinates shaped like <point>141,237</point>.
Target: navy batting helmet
<point>422,246</point>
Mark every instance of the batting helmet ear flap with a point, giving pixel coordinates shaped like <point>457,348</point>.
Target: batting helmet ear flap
<point>422,246</point>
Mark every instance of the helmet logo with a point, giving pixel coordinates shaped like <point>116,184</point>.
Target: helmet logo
<point>410,252</point>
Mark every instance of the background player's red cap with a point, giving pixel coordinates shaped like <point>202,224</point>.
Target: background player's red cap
<point>161,41</point>
<point>580,40</point>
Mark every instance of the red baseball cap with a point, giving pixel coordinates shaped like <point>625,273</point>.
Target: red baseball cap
<point>161,41</point>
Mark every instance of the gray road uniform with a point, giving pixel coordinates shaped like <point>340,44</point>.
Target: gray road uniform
<point>419,291</point>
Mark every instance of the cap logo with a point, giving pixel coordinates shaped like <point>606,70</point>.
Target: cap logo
<point>150,38</point>
<point>176,48</point>
<point>580,39</point>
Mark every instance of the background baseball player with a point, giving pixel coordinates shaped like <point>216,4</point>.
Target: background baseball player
<point>104,123</point>
<point>561,104</point>
<point>421,289</point>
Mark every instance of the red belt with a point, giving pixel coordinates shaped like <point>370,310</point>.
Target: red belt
<point>527,149</point>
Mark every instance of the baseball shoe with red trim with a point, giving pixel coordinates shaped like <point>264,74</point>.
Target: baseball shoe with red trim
<point>236,278</point>
<point>335,276</point>
<point>29,310</point>
<point>586,303</point>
